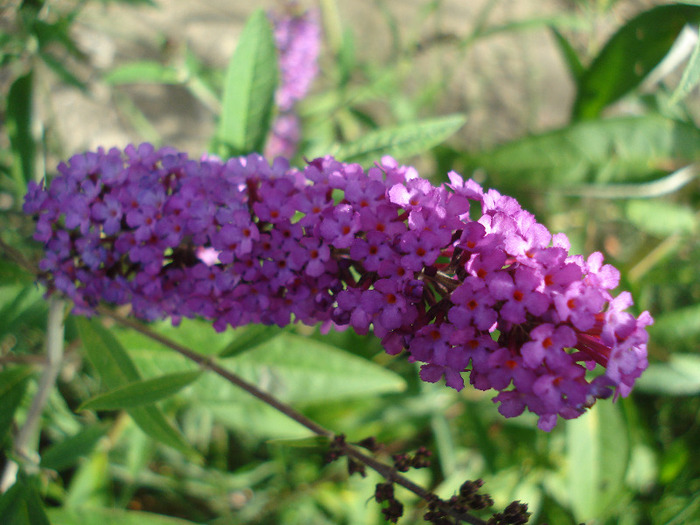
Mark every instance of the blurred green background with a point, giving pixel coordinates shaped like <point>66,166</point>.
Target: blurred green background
<point>586,111</point>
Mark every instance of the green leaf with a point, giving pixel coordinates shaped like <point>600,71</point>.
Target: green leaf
<point>99,516</point>
<point>301,370</point>
<point>679,376</point>
<point>400,141</point>
<point>197,334</point>
<point>248,98</point>
<point>18,123</point>
<point>295,369</point>
<point>13,384</point>
<point>597,458</point>
<point>151,3</point>
<point>690,78</point>
<point>678,329</point>
<point>630,54</point>
<point>62,71</point>
<point>106,354</point>
<point>65,454</point>
<point>238,411</point>
<point>11,273</point>
<point>141,392</point>
<point>21,504</point>
<point>48,33</point>
<point>117,369</point>
<point>621,149</point>
<point>569,54</point>
<point>308,442</point>
<point>145,72</point>
<point>90,484</point>
<point>661,218</point>
<point>23,305</point>
<point>249,337</point>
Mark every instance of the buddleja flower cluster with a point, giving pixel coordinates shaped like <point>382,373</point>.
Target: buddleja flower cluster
<point>298,41</point>
<point>462,279</point>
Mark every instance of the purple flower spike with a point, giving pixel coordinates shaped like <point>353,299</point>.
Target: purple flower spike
<point>496,297</point>
<point>298,41</point>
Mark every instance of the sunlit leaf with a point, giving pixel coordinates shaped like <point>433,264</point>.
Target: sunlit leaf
<point>400,142</point>
<point>248,98</point>
<point>151,3</point>
<point>630,54</point>
<point>197,334</point>
<point>89,485</point>
<point>295,369</point>
<point>677,329</point>
<point>661,218</point>
<point>141,392</point>
<point>597,457</point>
<point>309,442</point>
<point>690,78</point>
<point>299,369</point>
<point>679,376</point>
<point>117,369</point>
<point>65,454</point>
<point>249,337</point>
<point>143,73</point>
<point>624,149</point>
<point>103,516</point>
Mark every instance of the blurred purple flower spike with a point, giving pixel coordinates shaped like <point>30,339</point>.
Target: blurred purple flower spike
<point>298,40</point>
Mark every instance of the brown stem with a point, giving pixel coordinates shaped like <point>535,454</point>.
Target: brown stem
<point>383,469</point>
<point>207,363</point>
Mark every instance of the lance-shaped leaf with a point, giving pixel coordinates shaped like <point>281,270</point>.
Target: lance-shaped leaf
<point>665,331</point>
<point>661,218</point>
<point>629,56</point>
<point>21,504</point>
<point>624,149</point>
<point>144,72</point>
<point>569,54</point>
<point>13,384</point>
<point>116,370</point>
<point>400,141</point>
<point>65,454</point>
<point>249,337</point>
<point>597,452</point>
<point>690,78</point>
<point>18,122</point>
<point>140,393</point>
<point>679,376</point>
<point>249,91</point>
<point>104,516</point>
<point>302,370</point>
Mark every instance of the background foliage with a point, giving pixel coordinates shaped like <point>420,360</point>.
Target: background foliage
<point>618,174</point>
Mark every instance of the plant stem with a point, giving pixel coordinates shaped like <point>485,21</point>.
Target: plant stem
<point>386,471</point>
<point>23,445</point>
